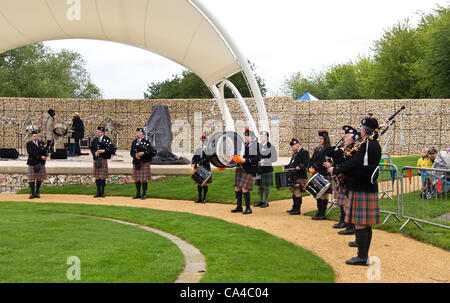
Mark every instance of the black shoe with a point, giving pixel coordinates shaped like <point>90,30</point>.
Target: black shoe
<point>358,261</point>
<point>353,244</point>
<point>198,201</point>
<point>31,196</point>
<point>295,212</point>
<point>264,205</point>
<point>37,195</point>
<point>204,201</point>
<point>248,210</point>
<point>237,210</point>
<point>97,195</point>
<point>347,231</point>
<point>143,197</point>
<point>291,210</point>
<point>260,203</point>
<point>137,197</point>
<point>339,225</point>
<point>319,217</point>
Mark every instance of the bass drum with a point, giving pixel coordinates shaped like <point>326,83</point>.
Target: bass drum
<point>221,148</point>
<point>60,130</point>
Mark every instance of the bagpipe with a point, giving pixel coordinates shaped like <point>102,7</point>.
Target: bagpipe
<point>149,152</point>
<point>107,145</point>
<point>44,151</point>
<point>375,134</point>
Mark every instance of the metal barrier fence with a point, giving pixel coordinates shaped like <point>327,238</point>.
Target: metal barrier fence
<point>424,196</point>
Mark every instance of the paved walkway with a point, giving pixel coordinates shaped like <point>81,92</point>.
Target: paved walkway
<point>401,259</point>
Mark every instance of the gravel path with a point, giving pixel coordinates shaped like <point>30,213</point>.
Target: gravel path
<point>401,259</point>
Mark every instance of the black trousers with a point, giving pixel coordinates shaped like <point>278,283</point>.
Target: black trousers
<point>77,150</point>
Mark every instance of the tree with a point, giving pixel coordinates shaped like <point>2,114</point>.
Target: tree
<point>35,71</point>
<point>297,84</point>
<point>189,85</point>
<point>342,81</point>
<point>434,31</point>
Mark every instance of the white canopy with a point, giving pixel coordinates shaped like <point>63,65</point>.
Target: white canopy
<point>180,30</point>
<point>175,29</point>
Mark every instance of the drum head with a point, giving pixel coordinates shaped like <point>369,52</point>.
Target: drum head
<point>317,186</point>
<point>221,148</point>
<point>60,130</point>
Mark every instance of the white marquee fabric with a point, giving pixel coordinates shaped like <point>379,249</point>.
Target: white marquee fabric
<point>174,29</point>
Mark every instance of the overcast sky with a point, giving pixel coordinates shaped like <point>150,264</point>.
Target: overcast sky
<point>281,37</point>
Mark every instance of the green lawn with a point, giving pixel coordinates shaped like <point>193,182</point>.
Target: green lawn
<point>427,209</point>
<point>39,237</point>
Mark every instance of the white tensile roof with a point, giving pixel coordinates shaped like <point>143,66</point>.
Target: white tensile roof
<point>175,29</point>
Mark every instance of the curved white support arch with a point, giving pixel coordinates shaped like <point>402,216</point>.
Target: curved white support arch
<point>262,113</point>
<point>229,124</point>
<point>248,115</point>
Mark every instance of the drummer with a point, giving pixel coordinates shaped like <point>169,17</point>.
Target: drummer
<point>316,165</point>
<point>243,178</point>
<point>298,164</point>
<point>201,159</point>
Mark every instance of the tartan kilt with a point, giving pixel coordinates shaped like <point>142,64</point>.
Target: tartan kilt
<point>362,208</point>
<point>144,174</point>
<point>37,176</point>
<point>243,179</point>
<point>301,184</point>
<point>102,172</point>
<point>339,193</point>
<point>266,179</point>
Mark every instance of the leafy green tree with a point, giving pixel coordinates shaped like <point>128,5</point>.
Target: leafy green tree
<point>189,85</point>
<point>36,71</point>
<point>434,31</point>
<point>343,82</point>
<point>297,84</point>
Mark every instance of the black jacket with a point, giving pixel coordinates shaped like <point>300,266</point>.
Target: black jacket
<point>318,158</point>
<point>143,146</point>
<point>357,175</point>
<point>337,155</point>
<point>252,157</point>
<point>78,128</point>
<point>201,159</point>
<point>300,159</point>
<point>268,156</point>
<point>105,144</point>
<point>35,153</point>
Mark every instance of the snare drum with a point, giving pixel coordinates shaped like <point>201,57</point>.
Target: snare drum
<point>317,186</point>
<point>284,179</point>
<point>201,176</point>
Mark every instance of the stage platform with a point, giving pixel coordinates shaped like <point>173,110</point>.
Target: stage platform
<point>120,164</point>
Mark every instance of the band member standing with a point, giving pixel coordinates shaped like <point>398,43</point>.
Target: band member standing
<point>201,159</point>
<point>38,153</point>
<point>337,156</point>
<point>268,156</point>
<point>362,208</point>
<point>142,153</point>
<point>298,164</point>
<point>243,179</point>
<point>78,133</point>
<point>101,149</point>
<point>49,127</point>
<point>316,165</point>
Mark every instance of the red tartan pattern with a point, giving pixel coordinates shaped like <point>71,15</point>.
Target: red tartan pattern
<point>102,172</point>
<point>37,176</point>
<point>144,174</point>
<point>243,179</point>
<point>301,184</point>
<point>362,208</point>
<point>339,193</point>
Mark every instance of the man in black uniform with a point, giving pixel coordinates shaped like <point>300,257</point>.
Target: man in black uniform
<point>298,164</point>
<point>360,172</point>
<point>265,181</point>
<point>101,149</point>
<point>142,153</point>
<point>201,159</point>
<point>243,178</point>
<point>37,155</point>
